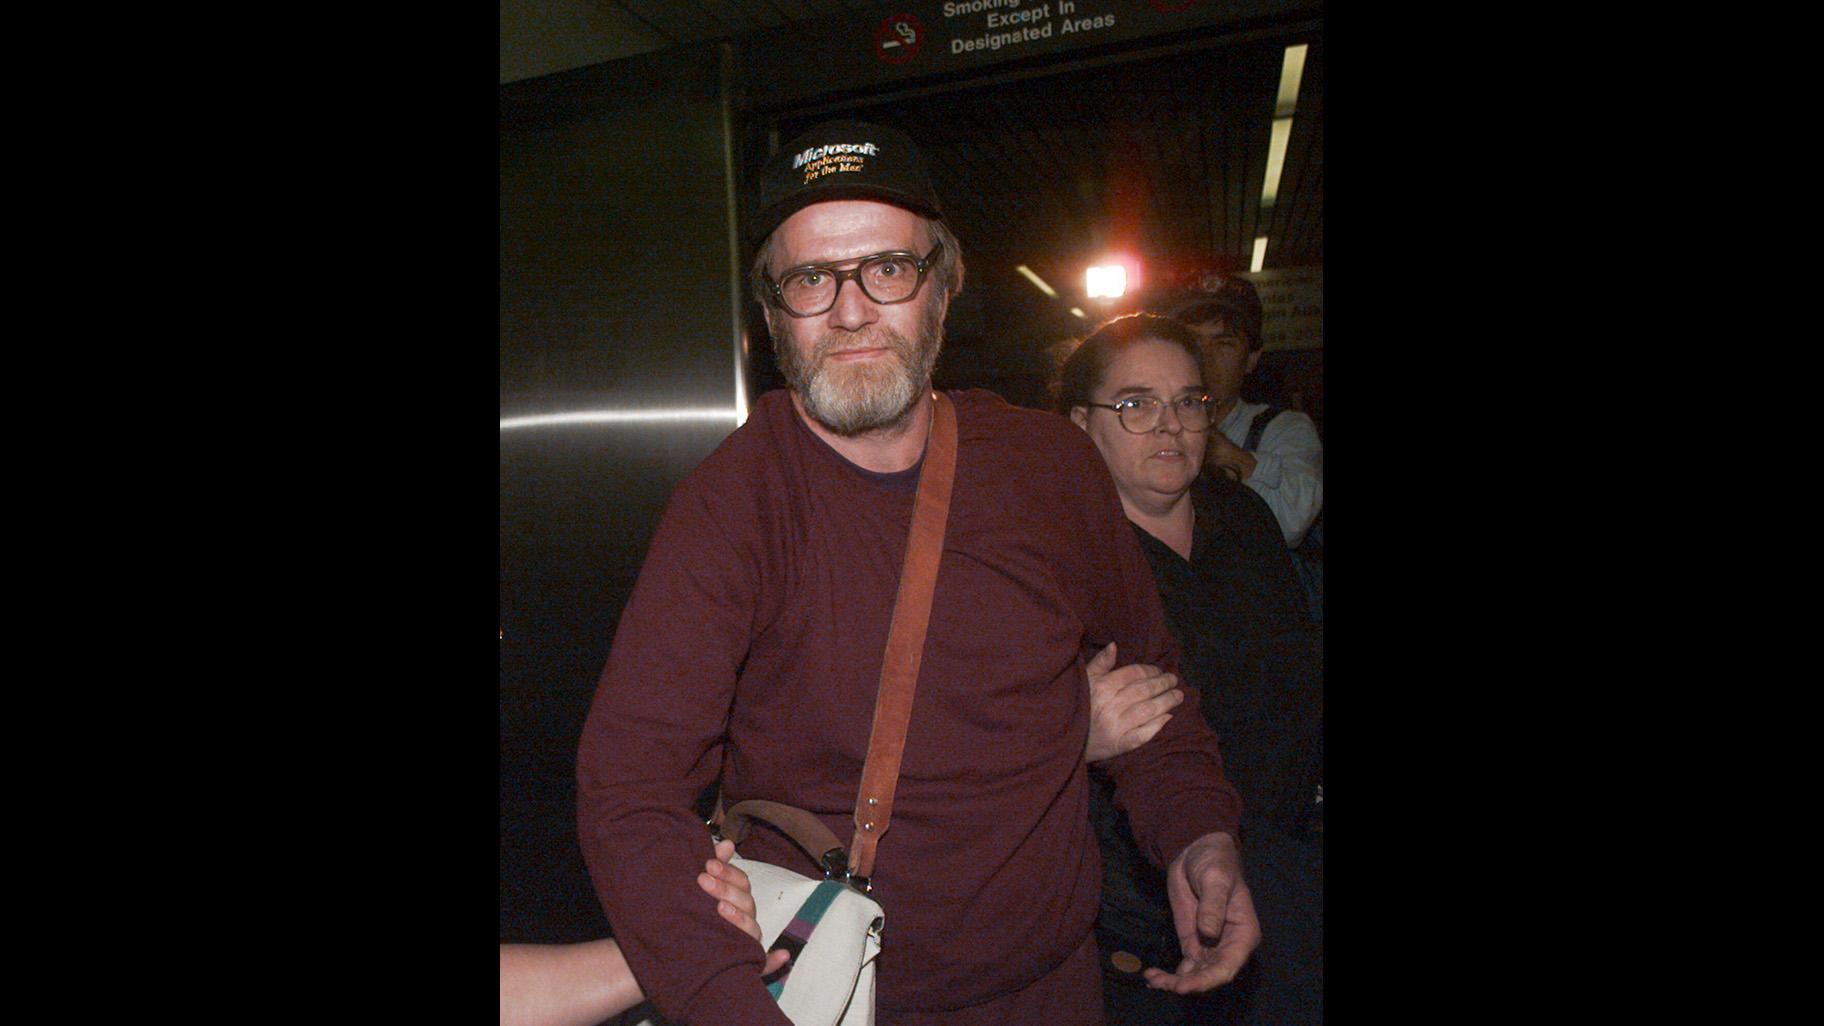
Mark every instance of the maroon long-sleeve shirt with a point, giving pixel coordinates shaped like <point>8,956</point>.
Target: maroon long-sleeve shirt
<point>752,645</point>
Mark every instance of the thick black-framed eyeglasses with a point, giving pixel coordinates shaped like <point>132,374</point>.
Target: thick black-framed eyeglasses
<point>1141,413</point>
<point>885,278</point>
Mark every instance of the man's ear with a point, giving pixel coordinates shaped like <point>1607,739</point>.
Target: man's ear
<point>1253,358</point>
<point>1079,415</point>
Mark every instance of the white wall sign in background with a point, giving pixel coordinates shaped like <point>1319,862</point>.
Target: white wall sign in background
<point>1292,300</point>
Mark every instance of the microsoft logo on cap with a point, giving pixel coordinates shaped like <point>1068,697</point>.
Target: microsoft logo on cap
<point>818,152</point>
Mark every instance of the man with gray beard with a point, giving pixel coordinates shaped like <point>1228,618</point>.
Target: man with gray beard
<point>751,650</point>
<point>855,397</point>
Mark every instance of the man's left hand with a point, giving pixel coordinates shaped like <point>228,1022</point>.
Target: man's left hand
<point>1214,914</point>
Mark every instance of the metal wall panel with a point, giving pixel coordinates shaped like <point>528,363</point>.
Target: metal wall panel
<point>615,299</point>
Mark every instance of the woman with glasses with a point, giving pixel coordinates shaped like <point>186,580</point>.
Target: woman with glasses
<point>1233,602</point>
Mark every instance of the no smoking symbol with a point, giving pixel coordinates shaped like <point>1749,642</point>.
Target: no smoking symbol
<point>898,39</point>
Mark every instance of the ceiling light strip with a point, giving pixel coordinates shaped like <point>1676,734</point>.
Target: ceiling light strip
<point>1276,160</point>
<point>1037,281</point>
<point>1291,75</point>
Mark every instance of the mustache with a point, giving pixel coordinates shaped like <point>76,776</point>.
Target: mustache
<point>875,337</point>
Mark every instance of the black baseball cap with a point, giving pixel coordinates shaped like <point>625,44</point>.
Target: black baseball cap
<point>1216,296</point>
<point>843,160</point>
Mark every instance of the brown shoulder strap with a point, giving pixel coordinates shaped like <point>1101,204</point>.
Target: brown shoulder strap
<point>906,638</point>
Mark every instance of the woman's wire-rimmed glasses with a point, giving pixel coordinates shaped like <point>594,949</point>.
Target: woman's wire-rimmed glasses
<point>1141,413</point>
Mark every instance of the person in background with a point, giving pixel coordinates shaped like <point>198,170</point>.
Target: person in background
<point>1137,387</point>
<point>1275,452</point>
<point>583,984</point>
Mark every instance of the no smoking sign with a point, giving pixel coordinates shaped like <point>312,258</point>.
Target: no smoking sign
<point>898,39</point>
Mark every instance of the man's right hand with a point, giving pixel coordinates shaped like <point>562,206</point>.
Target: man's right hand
<point>1126,706</point>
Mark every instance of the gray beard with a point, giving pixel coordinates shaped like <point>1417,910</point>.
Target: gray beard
<point>850,400</point>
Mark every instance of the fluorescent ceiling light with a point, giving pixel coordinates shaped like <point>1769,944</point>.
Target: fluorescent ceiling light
<point>1079,313</point>
<point>1038,281</point>
<point>1276,160</point>
<point>1291,72</point>
<point>1108,281</point>
<point>1260,254</point>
